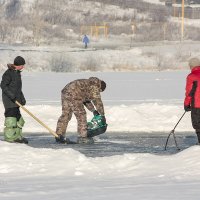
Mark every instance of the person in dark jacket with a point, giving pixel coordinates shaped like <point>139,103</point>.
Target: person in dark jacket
<point>192,94</point>
<point>11,86</point>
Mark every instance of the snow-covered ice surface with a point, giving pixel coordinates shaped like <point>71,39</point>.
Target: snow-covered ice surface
<point>34,173</point>
<point>127,162</point>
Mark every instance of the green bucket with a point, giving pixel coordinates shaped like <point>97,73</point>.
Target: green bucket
<point>96,126</point>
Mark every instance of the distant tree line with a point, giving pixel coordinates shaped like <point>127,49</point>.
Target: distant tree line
<point>58,21</point>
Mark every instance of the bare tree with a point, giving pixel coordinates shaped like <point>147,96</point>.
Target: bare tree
<point>37,23</point>
<point>4,30</point>
<point>12,9</point>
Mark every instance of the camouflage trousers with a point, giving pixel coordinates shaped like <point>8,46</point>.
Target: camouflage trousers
<point>70,106</point>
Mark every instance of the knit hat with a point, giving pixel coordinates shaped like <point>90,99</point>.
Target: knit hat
<point>194,62</point>
<point>103,86</point>
<point>19,61</point>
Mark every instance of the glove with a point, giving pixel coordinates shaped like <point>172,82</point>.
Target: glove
<point>95,113</point>
<point>187,108</point>
<point>23,102</point>
<point>104,119</point>
<point>60,139</point>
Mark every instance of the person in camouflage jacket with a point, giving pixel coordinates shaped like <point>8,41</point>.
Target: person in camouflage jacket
<point>76,95</point>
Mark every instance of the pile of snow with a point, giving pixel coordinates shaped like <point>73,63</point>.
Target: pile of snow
<point>43,162</point>
<point>33,173</point>
<point>145,117</point>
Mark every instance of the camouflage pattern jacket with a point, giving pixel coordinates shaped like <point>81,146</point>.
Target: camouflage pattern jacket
<point>86,91</point>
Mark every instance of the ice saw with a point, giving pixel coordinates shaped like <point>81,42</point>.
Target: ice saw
<point>96,126</point>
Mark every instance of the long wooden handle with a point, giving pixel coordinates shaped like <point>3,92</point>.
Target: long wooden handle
<point>38,120</point>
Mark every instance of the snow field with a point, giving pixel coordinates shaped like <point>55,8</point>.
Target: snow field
<point>134,102</point>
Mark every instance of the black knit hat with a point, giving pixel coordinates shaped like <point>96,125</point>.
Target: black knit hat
<point>19,61</point>
<point>103,86</point>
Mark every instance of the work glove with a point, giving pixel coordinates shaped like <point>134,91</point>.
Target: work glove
<point>60,139</point>
<point>23,102</point>
<point>103,119</point>
<point>95,113</point>
<point>187,108</point>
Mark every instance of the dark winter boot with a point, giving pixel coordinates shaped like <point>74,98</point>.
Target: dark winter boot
<point>85,140</point>
<point>61,139</point>
<point>22,140</point>
<point>20,124</point>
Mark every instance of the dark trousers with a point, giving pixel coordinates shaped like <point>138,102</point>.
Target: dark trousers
<point>198,135</point>
<point>195,115</point>
<point>13,112</point>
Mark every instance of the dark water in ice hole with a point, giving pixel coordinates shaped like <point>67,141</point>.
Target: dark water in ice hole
<point>112,143</point>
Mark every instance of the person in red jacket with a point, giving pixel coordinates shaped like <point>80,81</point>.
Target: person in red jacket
<point>192,94</point>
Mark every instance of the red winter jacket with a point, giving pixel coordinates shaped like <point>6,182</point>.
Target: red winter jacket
<point>192,93</point>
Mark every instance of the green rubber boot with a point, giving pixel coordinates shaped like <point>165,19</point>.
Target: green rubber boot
<point>13,130</point>
<point>21,122</point>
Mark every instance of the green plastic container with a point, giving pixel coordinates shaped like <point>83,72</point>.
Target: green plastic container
<point>96,126</point>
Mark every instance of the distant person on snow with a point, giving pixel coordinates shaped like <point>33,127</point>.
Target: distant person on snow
<point>192,95</point>
<point>76,95</point>
<point>11,86</point>
<point>86,41</point>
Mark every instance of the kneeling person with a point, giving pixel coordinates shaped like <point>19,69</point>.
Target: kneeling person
<point>76,95</point>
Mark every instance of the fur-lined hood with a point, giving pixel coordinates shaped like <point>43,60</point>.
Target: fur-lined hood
<point>11,66</point>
